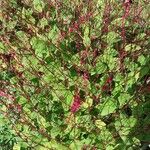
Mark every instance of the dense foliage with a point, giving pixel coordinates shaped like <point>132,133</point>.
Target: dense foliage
<point>74,74</point>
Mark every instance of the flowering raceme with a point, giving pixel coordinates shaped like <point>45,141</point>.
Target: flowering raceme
<point>76,103</point>
<point>3,94</point>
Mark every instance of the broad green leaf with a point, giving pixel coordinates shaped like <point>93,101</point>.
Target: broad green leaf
<point>38,5</point>
<point>55,131</point>
<point>112,63</point>
<point>76,145</point>
<point>107,137</point>
<point>11,25</point>
<point>88,102</point>
<point>142,60</point>
<point>53,34</point>
<point>124,98</point>
<point>69,98</point>
<point>53,144</point>
<point>112,37</point>
<point>144,71</point>
<point>119,77</point>
<point>39,46</point>
<point>27,14</point>
<point>111,52</point>
<point>109,147</point>
<point>57,145</point>
<point>2,47</point>
<point>133,66</point>
<point>132,47</point>
<point>124,125</point>
<point>41,121</point>
<point>108,107</point>
<point>100,124</point>
<point>22,36</point>
<point>16,147</point>
<point>42,23</point>
<point>73,72</point>
<point>101,67</point>
<point>86,38</point>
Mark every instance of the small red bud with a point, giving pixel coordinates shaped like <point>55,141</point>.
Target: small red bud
<point>19,107</point>
<point>109,80</point>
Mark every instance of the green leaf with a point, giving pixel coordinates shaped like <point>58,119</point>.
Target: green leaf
<point>107,137</point>
<point>109,147</point>
<point>142,60</point>
<point>112,63</point>
<point>124,98</point>
<point>88,102</point>
<point>2,47</point>
<point>55,131</point>
<point>38,5</point>
<point>16,147</point>
<point>124,125</point>
<point>22,36</point>
<point>39,46</point>
<point>108,107</point>
<point>22,100</point>
<point>42,23</point>
<point>101,67</point>
<point>119,77</point>
<point>35,81</point>
<point>112,37</point>
<point>144,71</point>
<point>53,144</point>
<point>69,98</point>
<point>76,145</point>
<point>41,121</point>
<point>132,47</point>
<point>73,72</point>
<point>111,52</point>
<point>100,124</point>
<point>86,38</point>
<point>53,34</point>
<point>11,25</point>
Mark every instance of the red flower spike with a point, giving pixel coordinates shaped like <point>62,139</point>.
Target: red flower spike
<point>127,1</point>
<point>71,30</point>
<point>104,87</point>
<point>76,104</point>
<point>19,108</point>
<point>63,33</point>
<point>3,94</point>
<point>85,76</point>
<point>82,19</point>
<point>76,26</point>
<point>127,4</point>
<point>10,106</point>
<point>109,80</point>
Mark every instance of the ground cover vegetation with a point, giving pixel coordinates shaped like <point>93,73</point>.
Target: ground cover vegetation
<point>74,74</point>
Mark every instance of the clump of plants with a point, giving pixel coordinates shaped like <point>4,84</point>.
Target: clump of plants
<point>75,74</point>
